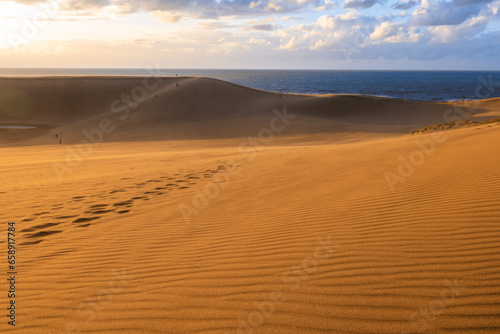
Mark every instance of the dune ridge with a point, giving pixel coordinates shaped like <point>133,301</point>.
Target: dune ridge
<point>157,108</point>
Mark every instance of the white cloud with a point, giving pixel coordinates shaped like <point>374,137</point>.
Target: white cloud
<point>290,45</point>
<point>165,16</point>
<point>254,4</point>
<point>435,13</point>
<point>395,33</point>
<point>328,32</point>
<point>289,18</point>
<point>273,6</point>
<point>327,5</point>
<point>83,5</point>
<point>455,34</point>
<point>258,41</point>
<point>495,7</point>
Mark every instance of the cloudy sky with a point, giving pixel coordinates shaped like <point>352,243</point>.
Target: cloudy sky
<point>285,34</point>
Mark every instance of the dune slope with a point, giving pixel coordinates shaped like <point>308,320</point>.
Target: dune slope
<point>157,108</point>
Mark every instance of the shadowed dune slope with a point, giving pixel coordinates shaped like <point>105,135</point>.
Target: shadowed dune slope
<point>154,107</point>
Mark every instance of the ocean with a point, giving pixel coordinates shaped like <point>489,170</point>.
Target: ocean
<point>409,85</point>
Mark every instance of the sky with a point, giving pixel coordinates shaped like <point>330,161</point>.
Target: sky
<point>251,34</point>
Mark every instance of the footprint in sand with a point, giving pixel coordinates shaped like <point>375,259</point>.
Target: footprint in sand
<point>31,243</point>
<point>41,213</point>
<point>65,217</point>
<point>85,220</point>
<point>98,206</point>
<point>124,203</point>
<point>97,210</point>
<point>39,227</point>
<point>42,234</point>
<point>100,212</point>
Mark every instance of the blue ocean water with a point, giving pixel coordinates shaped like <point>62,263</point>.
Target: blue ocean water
<point>410,85</point>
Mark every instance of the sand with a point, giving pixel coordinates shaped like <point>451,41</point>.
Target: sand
<point>211,208</point>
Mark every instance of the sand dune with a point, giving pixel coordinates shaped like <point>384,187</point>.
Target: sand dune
<point>152,108</point>
<point>177,222</point>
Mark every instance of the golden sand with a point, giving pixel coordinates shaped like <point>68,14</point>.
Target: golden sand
<point>207,207</point>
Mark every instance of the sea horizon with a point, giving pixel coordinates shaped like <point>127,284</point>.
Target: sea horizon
<point>419,85</point>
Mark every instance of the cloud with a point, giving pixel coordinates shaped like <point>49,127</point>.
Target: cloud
<point>216,25</point>
<point>262,27</point>
<point>357,37</point>
<point>395,33</point>
<point>332,33</point>
<point>455,34</point>
<point>433,13</point>
<point>360,3</point>
<point>469,2</point>
<point>201,9</point>
<point>165,16</point>
<point>405,4</point>
<point>83,5</point>
<point>258,41</point>
<point>327,5</point>
<point>494,7</point>
<point>290,18</point>
<point>238,30</point>
<point>26,2</point>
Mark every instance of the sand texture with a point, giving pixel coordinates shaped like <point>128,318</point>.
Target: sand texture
<point>207,207</point>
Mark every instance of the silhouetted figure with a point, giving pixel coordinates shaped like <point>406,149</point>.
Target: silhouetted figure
<point>57,136</point>
<point>60,141</point>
